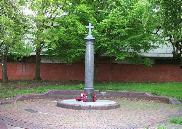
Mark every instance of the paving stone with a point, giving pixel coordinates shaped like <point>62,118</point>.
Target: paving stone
<point>3,126</point>
<point>44,114</point>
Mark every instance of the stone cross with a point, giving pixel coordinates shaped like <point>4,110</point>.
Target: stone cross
<point>89,64</point>
<point>90,27</point>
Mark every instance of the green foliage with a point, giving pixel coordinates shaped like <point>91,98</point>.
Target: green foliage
<point>127,29</point>
<point>18,51</point>
<point>176,120</point>
<point>122,28</point>
<point>161,127</point>
<point>43,21</point>
<point>172,24</point>
<point>81,86</point>
<point>56,34</point>
<point>172,14</point>
<point>12,29</point>
<point>69,39</point>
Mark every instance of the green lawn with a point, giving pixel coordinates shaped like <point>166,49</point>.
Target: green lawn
<point>163,89</point>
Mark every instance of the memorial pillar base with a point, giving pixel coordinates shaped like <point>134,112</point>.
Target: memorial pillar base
<point>90,93</point>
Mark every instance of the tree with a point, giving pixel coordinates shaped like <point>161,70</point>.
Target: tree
<point>46,11</point>
<point>12,30</point>
<point>68,39</point>
<point>123,28</point>
<point>128,28</point>
<point>172,24</point>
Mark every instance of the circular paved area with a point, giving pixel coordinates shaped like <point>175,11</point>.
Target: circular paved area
<point>44,114</point>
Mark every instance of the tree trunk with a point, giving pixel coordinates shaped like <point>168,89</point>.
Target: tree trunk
<point>180,59</point>
<point>4,66</point>
<point>110,69</point>
<point>37,64</point>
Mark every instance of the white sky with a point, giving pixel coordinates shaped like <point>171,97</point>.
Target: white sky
<point>27,11</point>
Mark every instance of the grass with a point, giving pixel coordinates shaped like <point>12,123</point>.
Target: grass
<point>161,127</point>
<point>162,89</point>
<point>176,120</point>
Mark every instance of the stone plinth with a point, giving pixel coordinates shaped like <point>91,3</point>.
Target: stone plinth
<point>79,105</point>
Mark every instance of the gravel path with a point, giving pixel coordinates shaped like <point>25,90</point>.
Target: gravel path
<point>44,114</point>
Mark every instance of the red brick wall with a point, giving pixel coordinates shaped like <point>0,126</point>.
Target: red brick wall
<point>139,73</point>
<point>20,71</point>
<point>63,72</point>
<point>103,72</point>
